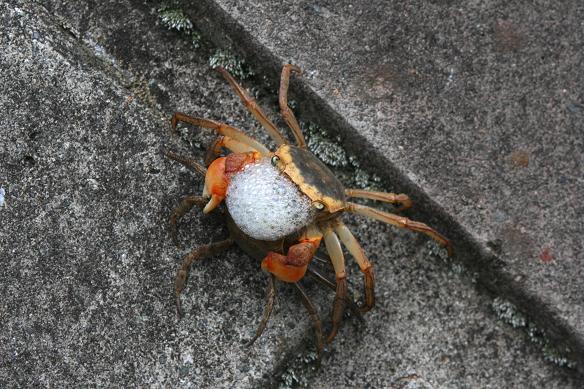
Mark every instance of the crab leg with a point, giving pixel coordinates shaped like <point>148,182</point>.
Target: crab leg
<point>225,142</point>
<point>392,198</point>
<point>188,162</point>
<point>270,299</point>
<point>198,253</point>
<point>254,108</point>
<point>221,129</point>
<point>399,221</point>
<point>287,113</point>
<point>314,316</point>
<point>326,282</point>
<point>333,246</point>
<point>366,267</point>
<point>186,204</point>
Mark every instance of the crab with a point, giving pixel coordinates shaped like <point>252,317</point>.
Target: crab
<point>281,205</point>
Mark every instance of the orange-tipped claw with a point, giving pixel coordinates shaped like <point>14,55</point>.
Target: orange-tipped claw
<point>213,203</point>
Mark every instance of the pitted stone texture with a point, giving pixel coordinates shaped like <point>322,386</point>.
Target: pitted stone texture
<point>475,108</point>
<point>87,262</point>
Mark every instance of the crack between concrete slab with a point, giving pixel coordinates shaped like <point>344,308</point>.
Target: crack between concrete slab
<point>96,56</point>
<point>224,31</point>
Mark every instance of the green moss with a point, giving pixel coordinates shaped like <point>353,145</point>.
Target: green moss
<point>325,147</point>
<point>174,18</point>
<point>196,39</point>
<point>303,367</point>
<point>508,312</point>
<point>346,166</point>
<point>227,60</point>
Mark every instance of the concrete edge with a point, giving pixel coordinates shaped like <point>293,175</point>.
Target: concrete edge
<point>224,31</point>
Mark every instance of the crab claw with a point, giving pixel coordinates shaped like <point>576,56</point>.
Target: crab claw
<point>213,203</point>
<point>280,266</point>
<point>292,266</point>
<point>219,174</point>
<point>215,184</point>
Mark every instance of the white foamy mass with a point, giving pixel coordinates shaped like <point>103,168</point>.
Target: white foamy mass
<point>265,204</point>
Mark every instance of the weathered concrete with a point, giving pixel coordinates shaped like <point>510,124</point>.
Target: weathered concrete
<point>431,327</point>
<point>476,108</point>
<point>87,285</point>
<point>87,262</point>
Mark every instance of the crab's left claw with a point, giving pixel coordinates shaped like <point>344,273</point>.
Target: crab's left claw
<point>292,266</point>
<point>219,174</point>
<point>213,203</point>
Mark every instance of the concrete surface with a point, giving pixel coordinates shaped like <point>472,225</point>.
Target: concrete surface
<point>475,108</point>
<point>87,262</point>
<point>86,91</point>
<point>432,329</point>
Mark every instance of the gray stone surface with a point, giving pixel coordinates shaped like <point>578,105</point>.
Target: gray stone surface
<point>475,108</point>
<point>87,262</point>
<point>85,94</point>
<point>431,329</point>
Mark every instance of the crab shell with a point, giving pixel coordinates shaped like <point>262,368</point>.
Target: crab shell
<point>313,179</point>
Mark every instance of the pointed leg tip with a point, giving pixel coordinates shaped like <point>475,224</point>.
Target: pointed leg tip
<point>250,343</point>
<point>179,313</point>
<point>330,338</point>
<point>223,71</point>
<point>364,309</point>
<point>174,234</point>
<point>173,122</point>
<point>449,249</point>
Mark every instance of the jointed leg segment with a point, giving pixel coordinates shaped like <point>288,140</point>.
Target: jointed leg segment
<point>186,204</point>
<point>198,253</point>
<point>333,246</point>
<point>366,267</point>
<point>314,316</point>
<point>221,129</point>
<point>225,142</point>
<point>188,162</point>
<point>254,108</point>
<point>321,279</point>
<point>400,221</point>
<point>287,113</point>
<point>392,198</point>
<point>271,298</point>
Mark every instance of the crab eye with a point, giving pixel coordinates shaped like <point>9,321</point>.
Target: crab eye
<point>318,205</point>
<point>275,160</point>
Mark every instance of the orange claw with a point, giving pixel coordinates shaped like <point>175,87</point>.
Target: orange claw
<point>219,174</point>
<point>276,264</point>
<point>292,267</point>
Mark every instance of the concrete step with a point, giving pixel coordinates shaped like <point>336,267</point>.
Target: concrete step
<point>90,265</point>
<point>474,109</point>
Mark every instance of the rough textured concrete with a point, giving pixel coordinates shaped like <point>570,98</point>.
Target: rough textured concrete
<point>431,327</point>
<point>87,262</point>
<point>87,285</point>
<point>476,108</point>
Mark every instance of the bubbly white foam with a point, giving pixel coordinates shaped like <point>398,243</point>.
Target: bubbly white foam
<point>265,204</point>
